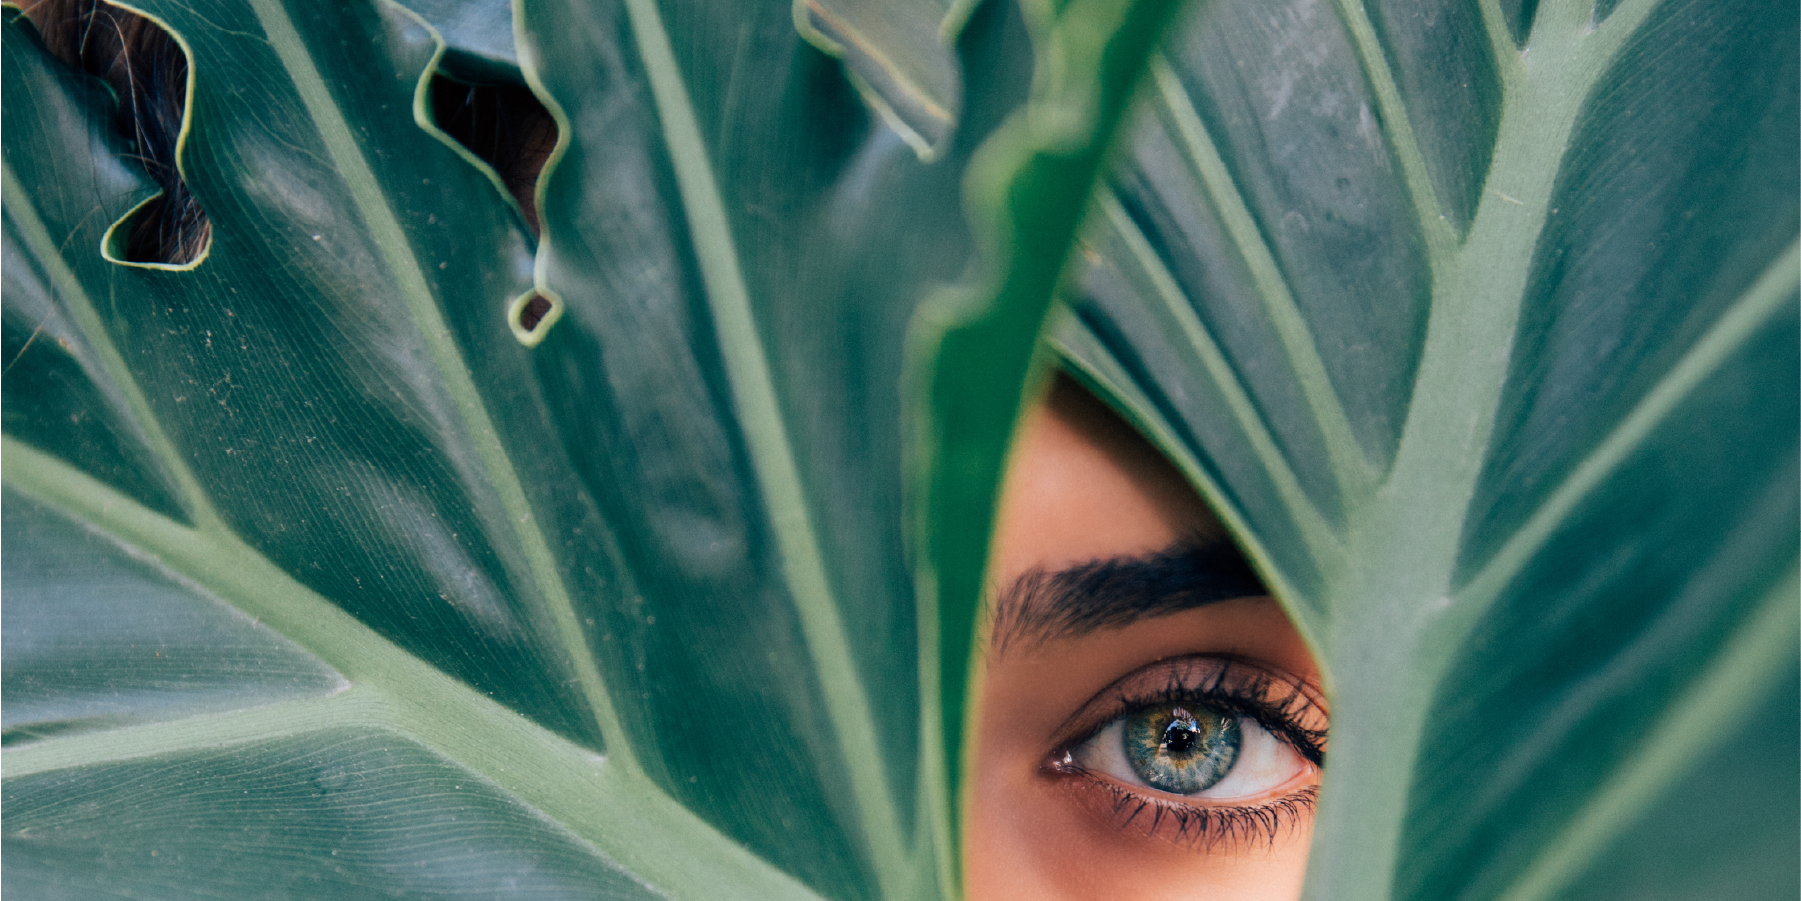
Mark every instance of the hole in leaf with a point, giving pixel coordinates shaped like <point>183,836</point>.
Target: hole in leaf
<point>148,72</point>
<point>533,311</point>
<point>504,125</point>
<point>531,315</point>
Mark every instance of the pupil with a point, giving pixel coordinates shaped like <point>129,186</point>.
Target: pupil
<point>1171,749</point>
<point>1182,733</point>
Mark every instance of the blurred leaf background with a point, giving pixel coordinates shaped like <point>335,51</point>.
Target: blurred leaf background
<point>1477,321</point>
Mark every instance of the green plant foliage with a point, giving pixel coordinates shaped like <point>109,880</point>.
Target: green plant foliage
<point>327,578</point>
<point>616,602</point>
<point>900,57</point>
<point>477,36</point>
<point>1482,330</point>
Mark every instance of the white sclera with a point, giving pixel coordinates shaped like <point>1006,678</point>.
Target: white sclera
<point>1264,761</point>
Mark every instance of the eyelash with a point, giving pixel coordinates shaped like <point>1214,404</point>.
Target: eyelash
<point>1207,827</point>
<point>1210,684</point>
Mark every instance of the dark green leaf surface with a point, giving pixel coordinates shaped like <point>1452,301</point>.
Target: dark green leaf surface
<point>1725,812</point>
<point>1490,353</point>
<point>330,814</point>
<point>303,407</point>
<point>636,574</point>
<point>900,56</point>
<point>101,640</point>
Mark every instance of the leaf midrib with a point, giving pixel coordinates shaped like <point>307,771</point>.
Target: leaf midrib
<point>1469,345</point>
<point>1405,548</point>
<point>588,794</point>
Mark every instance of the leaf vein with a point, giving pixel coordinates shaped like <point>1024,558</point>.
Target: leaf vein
<point>1766,297</point>
<point>391,241</point>
<point>1345,454</point>
<point>777,472</point>
<point>1322,543</point>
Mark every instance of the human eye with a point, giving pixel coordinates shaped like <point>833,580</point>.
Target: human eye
<point>1199,750</point>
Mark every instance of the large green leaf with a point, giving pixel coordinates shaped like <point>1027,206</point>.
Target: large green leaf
<point>1482,330</point>
<point>616,602</point>
<point>1478,323</point>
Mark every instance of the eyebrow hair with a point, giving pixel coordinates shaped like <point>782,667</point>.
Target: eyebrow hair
<point>1042,605</point>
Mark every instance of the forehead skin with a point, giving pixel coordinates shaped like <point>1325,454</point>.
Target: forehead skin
<point>1072,451</point>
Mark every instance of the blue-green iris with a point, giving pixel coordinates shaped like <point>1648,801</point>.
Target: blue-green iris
<point>1178,751</point>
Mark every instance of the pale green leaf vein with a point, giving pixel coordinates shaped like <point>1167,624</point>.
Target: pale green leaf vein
<point>221,564</point>
<point>1345,454</point>
<point>1758,654</point>
<point>1769,295</point>
<point>778,474</point>
<point>612,808</point>
<point>355,707</point>
<point>1322,543</point>
<point>1419,513</point>
<point>1093,362</point>
<point>43,248</point>
<point>1624,21</point>
<point>1434,226</point>
<point>391,241</point>
<point>1501,46</point>
<point>1562,22</point>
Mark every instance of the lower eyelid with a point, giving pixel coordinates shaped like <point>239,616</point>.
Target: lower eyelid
<point>1196,826</point>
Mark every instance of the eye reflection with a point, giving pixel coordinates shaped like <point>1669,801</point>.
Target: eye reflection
<point>1195,728</point>
<point>1174,750</point>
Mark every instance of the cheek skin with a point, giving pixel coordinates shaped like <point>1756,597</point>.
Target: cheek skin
<point>1081,486</point>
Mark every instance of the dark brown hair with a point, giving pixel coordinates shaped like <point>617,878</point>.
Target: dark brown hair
<point>504,124</point>
<point>148,72</point>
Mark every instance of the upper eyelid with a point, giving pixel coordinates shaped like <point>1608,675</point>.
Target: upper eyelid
<point>1119,697</point>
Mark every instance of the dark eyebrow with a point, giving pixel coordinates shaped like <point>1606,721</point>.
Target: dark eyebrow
<point>1042,605</point>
